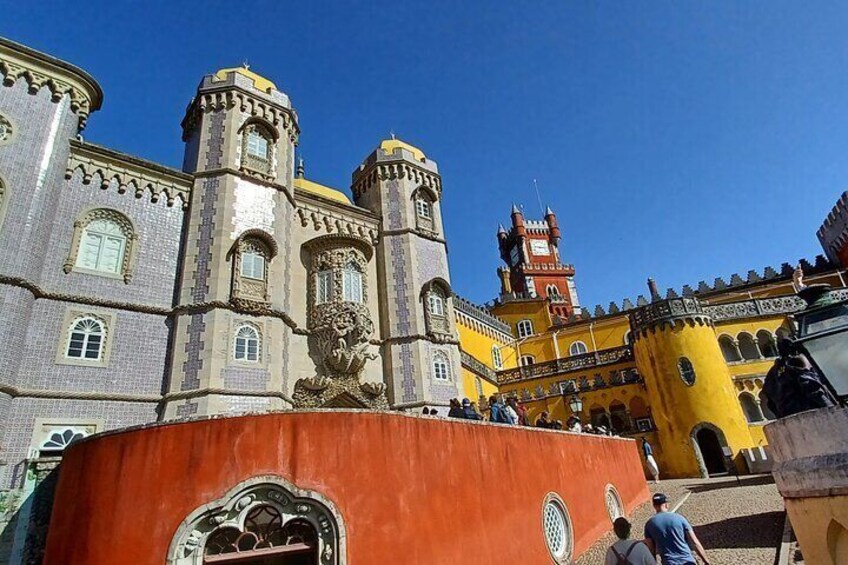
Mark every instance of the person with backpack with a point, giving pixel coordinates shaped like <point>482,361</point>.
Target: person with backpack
<point>627,551</point>
<point>497,411</point>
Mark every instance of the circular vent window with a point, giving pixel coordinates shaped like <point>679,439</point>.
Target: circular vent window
<point>556,525</point>
<point>615,508</point>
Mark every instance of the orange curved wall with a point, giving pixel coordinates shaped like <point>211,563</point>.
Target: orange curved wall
<point>426,489</point>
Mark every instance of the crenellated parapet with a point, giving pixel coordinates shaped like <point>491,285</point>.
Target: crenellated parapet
<point>465,307</point>
<point>667,313</point>
<point>401,162</point>
<point>833,233</point>
<point>39,70</point>
<point>246,92</point>
<point>131,174</point>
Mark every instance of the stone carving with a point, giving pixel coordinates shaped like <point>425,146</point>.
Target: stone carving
<point>373,389</point>
<point>342,332</point>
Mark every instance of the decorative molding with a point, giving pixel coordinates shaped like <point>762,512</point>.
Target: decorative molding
<point>369,175</point>
<point>17,392</point>
<point>129,251</point>
<point>39,70</point>
<point>130,173</point>
<point>282,118</point>
<point>662,313</point>
<point>323,219</point>
<point>763,307</point>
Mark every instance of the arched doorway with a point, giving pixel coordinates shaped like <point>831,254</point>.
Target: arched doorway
<point>708,450</point>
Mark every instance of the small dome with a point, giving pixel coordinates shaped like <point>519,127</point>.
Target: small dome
<point>259,82</point>
<point>321,190</point>
<point>389,145</point>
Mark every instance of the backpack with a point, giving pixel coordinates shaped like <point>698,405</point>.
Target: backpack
<point>623,559</point>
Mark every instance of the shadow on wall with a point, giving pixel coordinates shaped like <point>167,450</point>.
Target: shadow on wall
<point>760,530</point>
<point>26,514</point>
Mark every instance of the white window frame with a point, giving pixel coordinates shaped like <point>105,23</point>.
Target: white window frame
<point>424,208</point>
<point>553,290</point>
<point>436,304</point>
<point>352,283</point>
<point>76,435</point>
<point>441,367</point>
<point>86,339</point>
<point>249,262</point>
<point>324,286</point>
<point>524,328</point>
<point>497,358</point>
<point>527,360</point>
<point>255,142</point>
<point>245,342</point>
<point>575,348</point>
<point>101,238</point>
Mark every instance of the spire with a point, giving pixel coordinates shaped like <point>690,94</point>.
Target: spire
<point>515,209</point>
<point>501,229</point>
<point>300,169</point>
<point>548,211</point>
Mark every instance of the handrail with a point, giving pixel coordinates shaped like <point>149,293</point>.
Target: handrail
<point>567,364</point>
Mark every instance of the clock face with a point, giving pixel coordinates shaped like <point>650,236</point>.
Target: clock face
<point>539,247</point>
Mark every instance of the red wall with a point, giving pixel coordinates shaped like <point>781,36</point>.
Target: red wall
<point>426,488</point>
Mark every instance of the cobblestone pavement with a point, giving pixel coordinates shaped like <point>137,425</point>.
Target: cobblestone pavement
<point>738,523</point>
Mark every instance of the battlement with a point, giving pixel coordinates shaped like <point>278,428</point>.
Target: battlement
<point>392,151</point>
<point>833,233</point>
<point>244,79</point>
<point>481,314</point>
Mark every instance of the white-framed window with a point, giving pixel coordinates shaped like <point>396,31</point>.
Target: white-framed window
<point>253,265</point>
<point>58,440</point>
<point>102,246</point>
<point>352,283</point>
<point>525,328</point>
<point>323,287</point>
<point>87,337</point>
<point>247,344</point>
<point>436,303</point>
<point>423,208</point>
<point>552,290</point>
<point>497,359</point>
<point>257,144</point>
<point>527,360</point>
<point>578,348</point>
<point>556,524</point>
<point>441,367</point>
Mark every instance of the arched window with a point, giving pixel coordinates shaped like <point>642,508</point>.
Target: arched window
<point>578,348</point>
<point>729,349</point>
<point>54,445</point>
<point>86,340</point>
<point>352,283</point>
<point>686,370</point>
<point>525,328</point>
<point>253,251</point>
<point>748,347</point>
<point>497,359</point>
<point>527,360</point>
<point>767,343</point>
<point>436,303</point>
<point>750,408</point>
<point>628,337</point>
<point>441,367</point>
<point>424,200</point>
<point>323,286</point>
<point>247,344</point>
<point>257,148</point>
<point>435,299</point>
<point>102,243</point>
<point>552,291</point>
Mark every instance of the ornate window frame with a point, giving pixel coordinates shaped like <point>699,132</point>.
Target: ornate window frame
<point>434,293</point>
<point>251,164</point>
<point>556,521</point>
<point>615,507</point>
<point>8,131</point>
<point>130,249</point>
<point>424,210</point>
<point>247,290</point>
<point>335,254</point>
<point>441,367</point>
<point>189,541</point>
<point>72,317</point>
<point>44,428</point>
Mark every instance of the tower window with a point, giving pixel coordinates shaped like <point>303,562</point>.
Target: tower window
<point>441,367</point>
<point>436,304</point>
<point>323,287</point>
<point>257,145</point>
<point>687,371</point>
<point>257,149</point>
<point>253,250</point>
<point>525,328</point>
<point>423,208</point>
<point>247,344</point>
<point>253,265</point>
<point>102,244</point>
<point>578,348</point>
<point>86,339</point>
<point>552,291</point>
<point>423,201</point>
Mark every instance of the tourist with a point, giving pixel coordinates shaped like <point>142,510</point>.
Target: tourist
<point>573,424</point>
<point>556,425</point>
<point>512,410</point>
<point>627,551</point>
<point>455,409</point>
<point>523,417</point>
<point>588,429</point>
<point>434,412</point>
<point>468,411</point>
<point>542,421</point>
<point>497,411</point>
<point>649,459</point>
<point>667,534</point>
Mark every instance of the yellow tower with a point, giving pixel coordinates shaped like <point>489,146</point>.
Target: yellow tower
<point>699,420</point>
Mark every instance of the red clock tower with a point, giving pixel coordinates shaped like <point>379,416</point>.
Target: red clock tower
<point>534,264</point>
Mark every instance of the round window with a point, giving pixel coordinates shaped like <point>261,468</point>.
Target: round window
<point>556,525</point>
<point>615,508</point>
<point>687,371</point>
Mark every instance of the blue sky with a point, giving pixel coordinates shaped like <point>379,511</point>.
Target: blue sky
<point>677,140</point>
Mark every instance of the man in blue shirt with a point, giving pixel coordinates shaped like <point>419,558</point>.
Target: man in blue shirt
<point>667,534</point>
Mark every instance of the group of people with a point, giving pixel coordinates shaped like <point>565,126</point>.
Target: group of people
<point>667,535</point>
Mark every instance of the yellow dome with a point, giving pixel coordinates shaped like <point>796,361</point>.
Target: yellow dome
<point>389,145</point>
<point>321,190</point>
<point>259,82</point>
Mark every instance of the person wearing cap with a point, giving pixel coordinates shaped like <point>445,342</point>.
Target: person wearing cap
<point>627,551</point>
<point>669,535</point>
<point>468,411</point>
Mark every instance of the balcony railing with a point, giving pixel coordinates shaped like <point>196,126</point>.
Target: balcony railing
<point>567,365</point>
<point>475,366</point>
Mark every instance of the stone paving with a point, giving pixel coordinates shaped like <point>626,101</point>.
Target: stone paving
<point>738,523</point>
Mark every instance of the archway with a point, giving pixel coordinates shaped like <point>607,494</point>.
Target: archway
<point>708,449</point>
